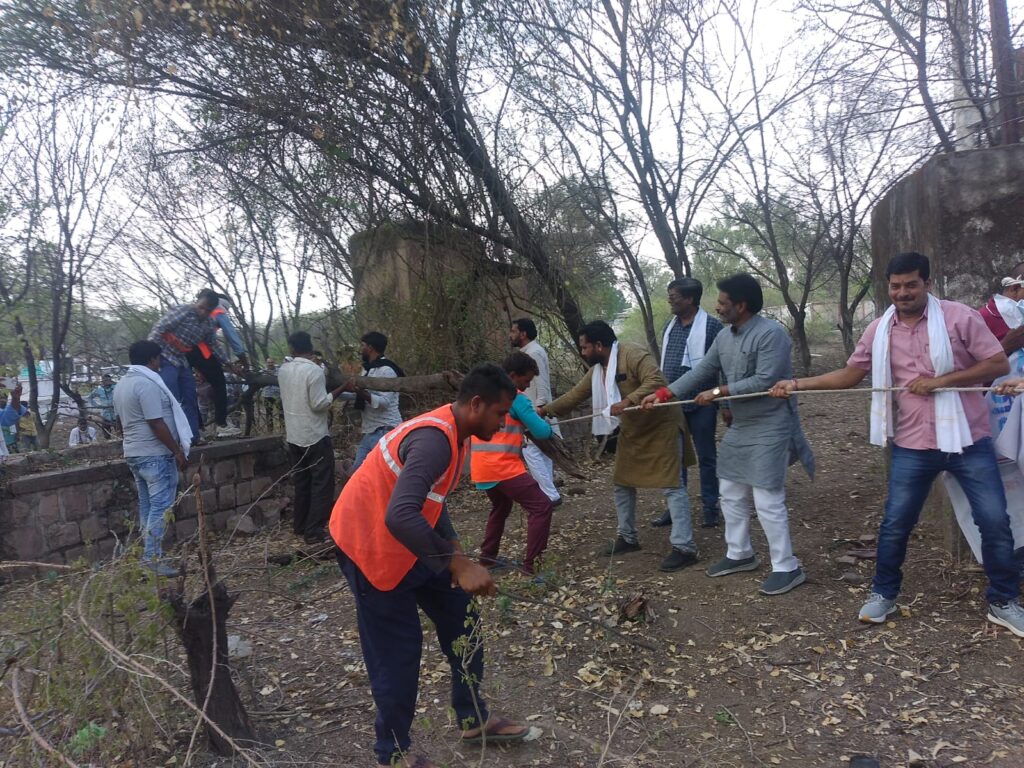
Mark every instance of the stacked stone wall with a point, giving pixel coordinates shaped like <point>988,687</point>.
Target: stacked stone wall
<point>89,510</point>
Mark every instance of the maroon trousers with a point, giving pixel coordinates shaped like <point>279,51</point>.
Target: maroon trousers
<point>524,490</point>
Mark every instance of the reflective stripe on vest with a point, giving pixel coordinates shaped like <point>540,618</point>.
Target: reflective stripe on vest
<point>500,458</point>
<point>392,462</point>
<point>357,522</point>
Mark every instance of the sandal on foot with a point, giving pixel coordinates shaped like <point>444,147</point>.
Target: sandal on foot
<point>418,761</point>
<point>491,731</point>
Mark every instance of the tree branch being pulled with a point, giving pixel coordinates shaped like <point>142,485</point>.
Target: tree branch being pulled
<point>443,382</point>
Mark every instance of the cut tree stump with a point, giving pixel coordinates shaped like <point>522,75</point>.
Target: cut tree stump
<point>202,624</point>
<point>198,623</point>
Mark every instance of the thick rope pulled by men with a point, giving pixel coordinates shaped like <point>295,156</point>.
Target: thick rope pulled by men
<point>751,395</point>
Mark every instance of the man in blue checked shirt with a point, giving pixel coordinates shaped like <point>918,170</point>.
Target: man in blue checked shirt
<point>687,338</point>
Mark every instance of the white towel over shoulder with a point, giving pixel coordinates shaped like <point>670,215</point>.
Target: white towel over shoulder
<point>604,393</point>
<point>952,432</point>
<point>695,342</point>
<point>181,424</point>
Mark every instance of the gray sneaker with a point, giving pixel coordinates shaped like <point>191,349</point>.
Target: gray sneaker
<point>1009,615</point>
<point>725,566</point>
<point>780,582</point>
<point>160,567</point>
<point>876,609</point>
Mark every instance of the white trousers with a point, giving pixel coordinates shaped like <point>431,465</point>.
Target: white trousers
<point>542,469</point>
<point>771,513</point>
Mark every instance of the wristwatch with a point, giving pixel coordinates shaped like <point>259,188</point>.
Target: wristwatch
<point>717,391</point>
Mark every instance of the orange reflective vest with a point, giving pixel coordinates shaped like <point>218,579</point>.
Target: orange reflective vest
<point>501,457</point>
<point>357,520</point>
<point>203,347</point>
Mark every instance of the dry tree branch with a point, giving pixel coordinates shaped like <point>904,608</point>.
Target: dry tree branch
<point>614,728</point>
<point>26,722</point>
<point>750,744</point>
<point>33,564</point>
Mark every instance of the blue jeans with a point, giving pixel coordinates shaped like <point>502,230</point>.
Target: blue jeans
<point>156,480</point>
<point>367,444</point>
<point>182,384</point>
<point>702,423</point>
<point>910,479</point>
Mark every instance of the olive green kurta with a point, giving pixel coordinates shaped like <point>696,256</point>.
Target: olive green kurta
<point>648,449</point>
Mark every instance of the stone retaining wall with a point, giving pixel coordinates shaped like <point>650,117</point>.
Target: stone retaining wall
<point>84,511</point>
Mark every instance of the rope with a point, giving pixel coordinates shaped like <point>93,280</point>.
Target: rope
<point>856,391</point>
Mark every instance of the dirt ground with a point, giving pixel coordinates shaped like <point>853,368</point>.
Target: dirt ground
<point>729,679</point>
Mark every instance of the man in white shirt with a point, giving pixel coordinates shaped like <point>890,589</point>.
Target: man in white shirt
<point>380,409</point>
<point>523,336</point>
<point>306,403</point>
<point>83,434</point>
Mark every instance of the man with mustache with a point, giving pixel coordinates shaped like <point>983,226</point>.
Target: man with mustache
<point>923,344</point>
<point>652,445</point>
<point>764,439</point>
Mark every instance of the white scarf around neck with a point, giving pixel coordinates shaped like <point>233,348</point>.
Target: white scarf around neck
<point>1009,310</point>
<point>604,393</point>
<point>181,424</point>
<point>696,342</point>
<point>952,432</point>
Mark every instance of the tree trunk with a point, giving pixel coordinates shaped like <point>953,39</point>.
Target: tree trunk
<point>803,347</point>
<point>33,383</point>
<point>445,382</point>
<point>1006,83</point>
<point>846,330</point>
<point>83,410</point>
<point>197,628</point>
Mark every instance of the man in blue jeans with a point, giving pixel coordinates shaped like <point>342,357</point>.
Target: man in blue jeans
<point>178,333</point>
<point>687,338</point>
<point>157,437</point>
<point>921,345</point>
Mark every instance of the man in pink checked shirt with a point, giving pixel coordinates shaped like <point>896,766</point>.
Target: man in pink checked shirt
<point>924,345</point>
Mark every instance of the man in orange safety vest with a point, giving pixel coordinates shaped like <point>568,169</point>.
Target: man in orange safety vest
<point>400,553</point>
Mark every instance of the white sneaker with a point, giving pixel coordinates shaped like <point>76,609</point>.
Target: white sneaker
<point>228,431</point>
<point>877,609</point>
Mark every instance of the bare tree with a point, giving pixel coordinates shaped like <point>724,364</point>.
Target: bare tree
<point>195,228</point>
<point>856,149</point>
<point>935,55</point>
<point>622,93</point>
<point>771,232</point>
<point>66,156</point>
